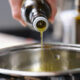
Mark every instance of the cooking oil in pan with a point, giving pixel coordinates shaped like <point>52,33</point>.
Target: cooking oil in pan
<point>46,56</point>
<point>49,60</point>
<point>53,61</point>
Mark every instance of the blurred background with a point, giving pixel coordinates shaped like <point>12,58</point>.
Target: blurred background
<point>60,31</point>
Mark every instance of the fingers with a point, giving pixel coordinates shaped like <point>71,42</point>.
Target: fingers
<point>16,10</point>
<point>16,13</point>
<point>53,8</point>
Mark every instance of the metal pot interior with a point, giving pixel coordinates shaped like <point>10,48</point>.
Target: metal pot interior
<point>52,59</point>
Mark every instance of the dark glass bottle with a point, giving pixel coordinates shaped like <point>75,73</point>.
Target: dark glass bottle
<point>36,13</point>
<point>77,21</point>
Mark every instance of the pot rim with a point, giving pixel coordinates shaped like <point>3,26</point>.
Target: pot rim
<point>74,47</point>
<point>60,46</point>
<point>37,74</point>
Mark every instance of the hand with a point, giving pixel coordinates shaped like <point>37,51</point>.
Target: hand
<point>16,10</point>
<point>52,3</point>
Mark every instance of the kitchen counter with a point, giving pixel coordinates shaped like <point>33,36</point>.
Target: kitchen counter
<point>10,40</point>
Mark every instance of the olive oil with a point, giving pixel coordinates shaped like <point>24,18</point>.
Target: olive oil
<point>52,60</point>
<point>41,34</point>
<point>78,29</point>
<point>77,21</point>
<point>36,13</point>
<point>41,27</point>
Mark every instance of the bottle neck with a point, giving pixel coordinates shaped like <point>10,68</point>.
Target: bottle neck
<point>40,24</point>
<point>34,14</point>
<point>38,20</point>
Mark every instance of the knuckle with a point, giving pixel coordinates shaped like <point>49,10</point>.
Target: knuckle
<point>16,15</point>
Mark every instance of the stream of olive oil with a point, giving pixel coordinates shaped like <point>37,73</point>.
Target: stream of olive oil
<point>45,60</point>
<point>41,27</point>
<point>41,34</point>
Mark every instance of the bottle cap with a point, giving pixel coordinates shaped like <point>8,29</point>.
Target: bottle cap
<point>41,21</point>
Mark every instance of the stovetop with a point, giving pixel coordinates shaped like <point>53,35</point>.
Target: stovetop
<point>62,77</point>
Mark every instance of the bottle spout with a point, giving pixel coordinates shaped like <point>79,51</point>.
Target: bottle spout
<point>40,24</point>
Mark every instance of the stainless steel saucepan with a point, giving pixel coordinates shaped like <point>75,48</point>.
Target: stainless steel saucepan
<point>32,60</point>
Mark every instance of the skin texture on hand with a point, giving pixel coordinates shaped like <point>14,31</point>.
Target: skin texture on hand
<point>16,10</point>
<point>52,3</point>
